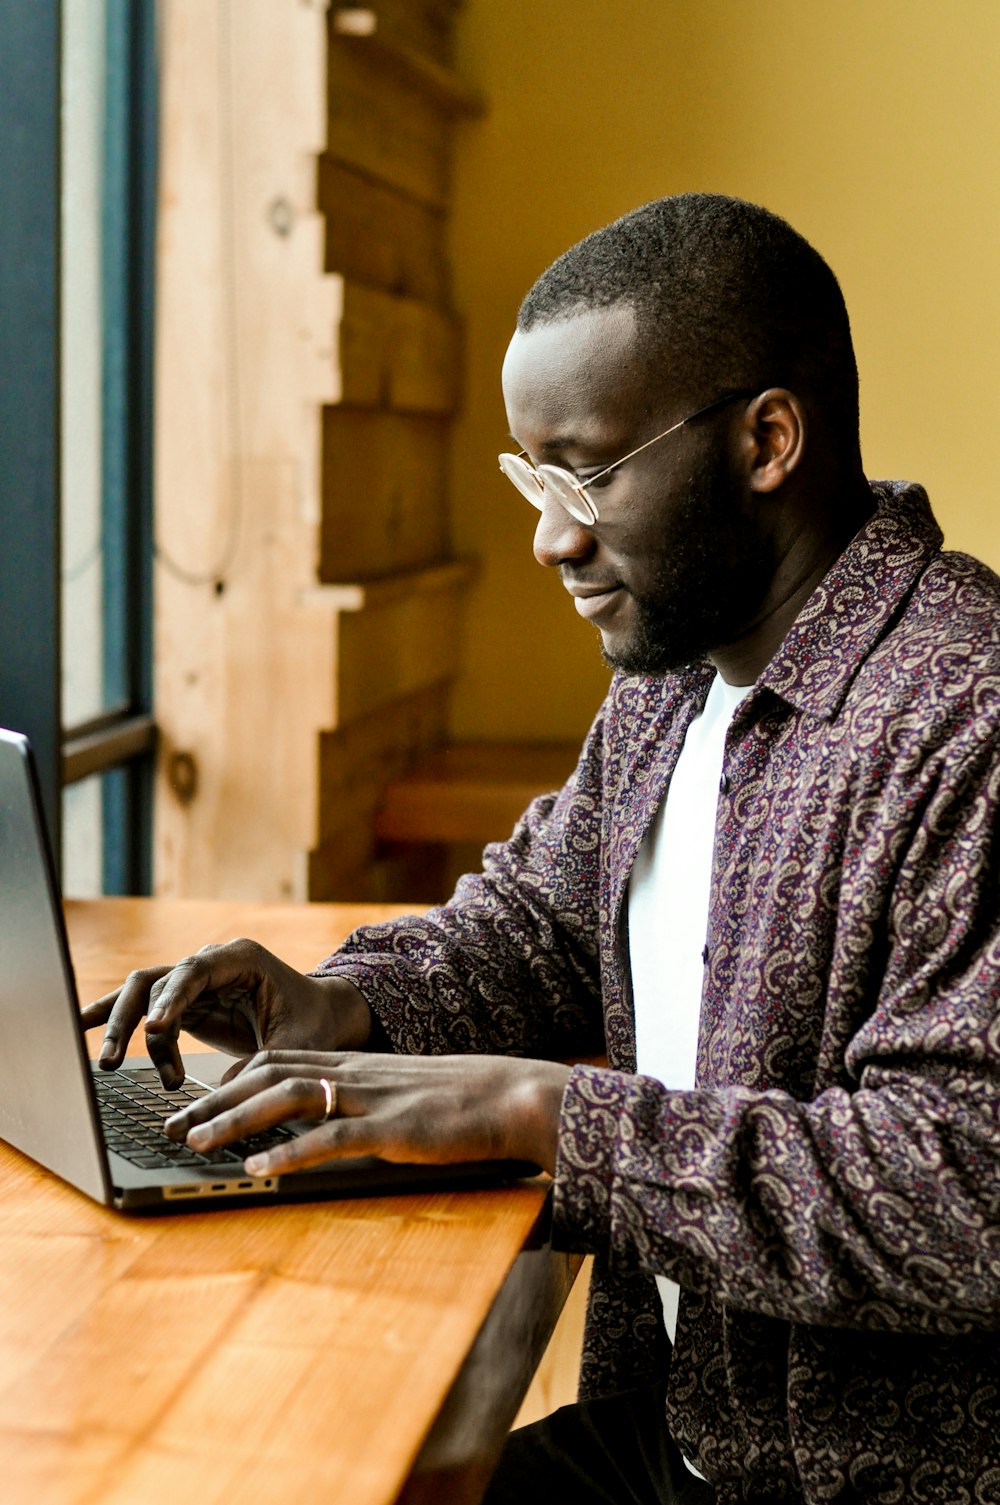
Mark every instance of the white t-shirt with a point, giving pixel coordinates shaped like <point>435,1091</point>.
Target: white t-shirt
<point>668,897</point>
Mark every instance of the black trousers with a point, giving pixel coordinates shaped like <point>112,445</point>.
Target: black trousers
<point>613,1451</point>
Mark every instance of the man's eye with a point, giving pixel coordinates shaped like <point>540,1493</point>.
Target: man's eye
<point>598,479</point>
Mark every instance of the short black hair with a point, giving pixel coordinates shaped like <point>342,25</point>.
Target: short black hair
<point>728,297</point>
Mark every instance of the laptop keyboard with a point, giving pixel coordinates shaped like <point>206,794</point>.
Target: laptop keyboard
<point>134,1104</point>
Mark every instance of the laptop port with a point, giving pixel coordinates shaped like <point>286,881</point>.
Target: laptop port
<point>191,1189</point>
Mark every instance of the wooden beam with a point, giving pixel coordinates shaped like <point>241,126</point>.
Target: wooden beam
<point>358,26</point>
<point>397,635</point>
<point>384,492</point>
<point>397,353</point>
<point>386,123</point>
<point>471,792</point>
<point>381,237</point>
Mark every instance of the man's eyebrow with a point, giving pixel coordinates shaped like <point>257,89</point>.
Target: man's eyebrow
<point>548,446</point>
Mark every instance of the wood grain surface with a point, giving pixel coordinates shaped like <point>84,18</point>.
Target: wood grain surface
<point>254,1355</point>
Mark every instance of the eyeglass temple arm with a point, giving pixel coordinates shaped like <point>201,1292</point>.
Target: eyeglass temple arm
<point>709,408</point>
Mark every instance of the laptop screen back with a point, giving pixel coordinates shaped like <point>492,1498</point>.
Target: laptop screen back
<point>46,1098</point>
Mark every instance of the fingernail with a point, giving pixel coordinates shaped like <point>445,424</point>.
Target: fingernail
<point>199,1136</point>
<point>107,1050</point>
<point>257,1165</point>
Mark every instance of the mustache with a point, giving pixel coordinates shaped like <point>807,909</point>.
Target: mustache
<point>587,579</point>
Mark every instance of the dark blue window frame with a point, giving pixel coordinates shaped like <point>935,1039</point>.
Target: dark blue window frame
<point>119,744</point>
<point>29,388</point>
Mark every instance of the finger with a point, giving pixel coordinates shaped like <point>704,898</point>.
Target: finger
<point>337,1140</point>
<point>323,1061</point>
<point>99,1011</point>
<point>255,1100</point>
<point>178,989</point>
<point>249,1083</point>
<point>126,1009</point>
<point>242,1081</point>
<point>238,966</point>
<point>165,1054</point>
<point>231,1072</point>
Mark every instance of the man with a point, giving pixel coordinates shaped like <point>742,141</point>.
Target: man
<point>770,892</point>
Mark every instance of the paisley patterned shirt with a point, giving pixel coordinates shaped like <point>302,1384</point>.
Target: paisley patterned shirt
<point>828,1195</point>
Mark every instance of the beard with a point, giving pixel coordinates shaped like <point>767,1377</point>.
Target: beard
<point>711,572</point>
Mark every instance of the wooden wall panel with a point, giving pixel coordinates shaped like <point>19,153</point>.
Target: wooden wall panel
<point>380,237</point>
<point>403,635</point>
<point>308,366</point>
<point>365,753</point>
<point>383,186</point>
<point>384,478</point>
<point>356,763</point>
<point>397,353</point>
<point>386,125</point>
<point>245,355</point>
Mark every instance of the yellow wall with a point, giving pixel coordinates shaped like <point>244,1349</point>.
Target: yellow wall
<point>872,125</point>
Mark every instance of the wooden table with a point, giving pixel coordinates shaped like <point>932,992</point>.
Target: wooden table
<point>367,1350</point>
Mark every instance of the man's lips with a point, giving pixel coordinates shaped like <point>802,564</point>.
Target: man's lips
<point>593,601</point>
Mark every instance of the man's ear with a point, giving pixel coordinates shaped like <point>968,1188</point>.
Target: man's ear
<point>773,438</point>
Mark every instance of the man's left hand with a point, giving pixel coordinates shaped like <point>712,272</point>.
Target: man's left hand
<point>428,1109</point>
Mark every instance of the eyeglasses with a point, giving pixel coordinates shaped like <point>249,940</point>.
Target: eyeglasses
<point>536,482</point>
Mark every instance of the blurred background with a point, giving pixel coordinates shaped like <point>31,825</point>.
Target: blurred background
<point>261,260</point>
<point>872,125</point>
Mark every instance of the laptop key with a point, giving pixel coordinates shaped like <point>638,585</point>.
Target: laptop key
<point>135,1106</point>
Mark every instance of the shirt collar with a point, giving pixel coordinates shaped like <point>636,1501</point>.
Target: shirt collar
<point>850,609</point>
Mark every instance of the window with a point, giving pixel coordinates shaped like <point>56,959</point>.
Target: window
<point>77,182</point>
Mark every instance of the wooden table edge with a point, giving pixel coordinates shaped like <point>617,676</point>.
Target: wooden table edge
<point>461,1449</point>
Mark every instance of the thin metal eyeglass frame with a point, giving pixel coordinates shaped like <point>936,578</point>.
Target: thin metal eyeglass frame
<point>580,487</point>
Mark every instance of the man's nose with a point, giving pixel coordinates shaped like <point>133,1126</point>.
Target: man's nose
<point>560,537</point>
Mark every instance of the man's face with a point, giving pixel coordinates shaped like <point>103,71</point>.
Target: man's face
<point>675,567</point>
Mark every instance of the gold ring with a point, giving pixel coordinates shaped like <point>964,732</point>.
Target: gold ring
<point>329,1099</point>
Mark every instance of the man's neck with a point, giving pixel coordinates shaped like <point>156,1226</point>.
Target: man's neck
<point>806,556</point>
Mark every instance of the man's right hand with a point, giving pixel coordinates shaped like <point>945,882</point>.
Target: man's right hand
<point>236,997</point>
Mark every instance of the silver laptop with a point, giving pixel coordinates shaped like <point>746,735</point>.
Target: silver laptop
<point>102,1131</point>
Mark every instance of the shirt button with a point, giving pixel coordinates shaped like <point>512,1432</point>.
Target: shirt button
<point>724,783</point>
<point>704,955</point>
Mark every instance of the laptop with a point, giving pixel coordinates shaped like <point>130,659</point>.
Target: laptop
<point>102,1131</point>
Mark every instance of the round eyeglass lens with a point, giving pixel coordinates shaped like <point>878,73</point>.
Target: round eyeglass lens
<point>560,484</point>
<point>548,480</point>
<point>524,478</point>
